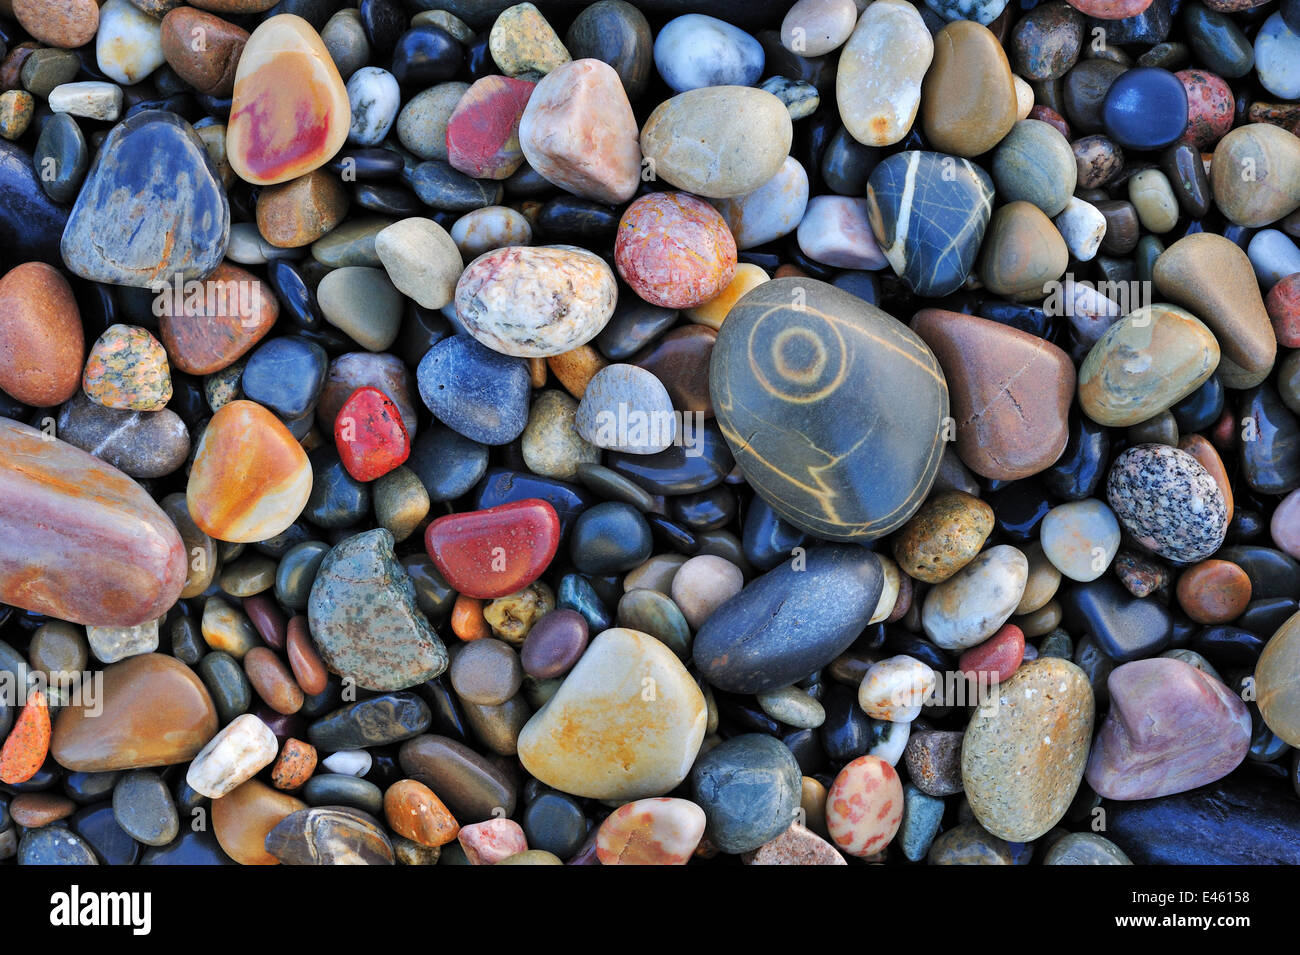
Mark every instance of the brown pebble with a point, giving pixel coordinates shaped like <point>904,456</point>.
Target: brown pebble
<point>300,211</point>
<point>268,619</point>
<point>295,764</point>
<point>67,24</point>
<point>1213,591</point>
<point>33,810</point>
<point>575,369</point>
<point>308,668</point>
<point>272,680</point>
<point>467,621</point>
<point>414,811</point>
<point>41,342</point>
<point>211,69</point>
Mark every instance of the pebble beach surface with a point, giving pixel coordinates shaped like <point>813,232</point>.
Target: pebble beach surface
<point>649,433</point>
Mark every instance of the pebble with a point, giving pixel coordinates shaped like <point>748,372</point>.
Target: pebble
<point>663,831</point>
<point>864,806</point>
<point>128,43</point>
<point>290,111</point>
<point>41,340</point>
<point>1034,163</point>
<point>329,836</point>
<point>968,99</point>
<point>294,766</point>
<point>493,841</point>
<point>415,812</point>
<point>483,130</point>
<point>895,688</point>
<point>970,606</point>
<point>522,43</point>
<point>878,81</point>
<point>552,444</point>
<point>834,231</point>
<point>1214,591</point>
<point>535,302</point>
<point>996,658</point>
<point>497,551</point>
<point>1168,502</point>
<point>1080,538</point>
<point>626,408</point>
<point>1277,50</point>
<point>943,536</point>
<point>749,787</point>
<point>90,99</point>
<point>1277,682</point>
<point>484,230</point>
<point>212,327</point>
<point>210,70</point>
<point>298,212</point>
<point>144,808</point>
<point>1022,760</point>
<point>695,51</point>
<point>1274,192</point>
<point>1171,728</point>
<point>718,142</point>
<point>605,707</point>
<point>362,599</point>
<point>771,211</point>
<point>475,391</point>
<point>1023,253</point>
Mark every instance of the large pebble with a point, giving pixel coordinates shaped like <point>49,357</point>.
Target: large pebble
<point>41,339</point>
<point>878,82</point>
<point>696,50</point>
<point>1168,502</point>
<point>864,806</point>
<point>749,788</point>
<point>661,831</point>
<point>970,606</point>
<point>674,250</point>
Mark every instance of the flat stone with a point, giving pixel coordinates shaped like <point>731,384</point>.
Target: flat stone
<point>90,99</point>
<point>472,787</point>
<point>329,836</point>
<point>1023,760</point>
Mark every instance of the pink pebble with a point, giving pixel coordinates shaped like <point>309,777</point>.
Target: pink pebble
<point>997,657</point>
<point>487,843</point>
<point>864,806</point>
<point>1285,525</point>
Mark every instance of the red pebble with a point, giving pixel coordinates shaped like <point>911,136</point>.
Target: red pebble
<point>1210,107</point>
<point>370,435</point>
<point>483,132</point>
<point>1052,118</point>
<point>997,657</point>
<point>1283,304</point>
<point>674,250</point>
<point>28,742</point>
<point>494,552</point>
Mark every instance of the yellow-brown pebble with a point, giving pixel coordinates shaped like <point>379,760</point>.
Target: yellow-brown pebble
<point>414,811</point>
<point>512,616</point>
<point>943,536</point>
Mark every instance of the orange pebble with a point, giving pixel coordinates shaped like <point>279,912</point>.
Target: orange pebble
<point>789,272</point>
<point>295,764</point>
<point>576,368</point>
<point>537,372</point>
<point>414,811</point>
<point>1214,591</point>
<point>28,743</point>
<point>467,620</point>
<point>1208,458</point>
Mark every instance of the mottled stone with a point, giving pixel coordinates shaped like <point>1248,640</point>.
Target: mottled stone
<point>943,536</point>
<point>211,326</point>
<point>659,831</point>
<point>1168,502</point>
<point>523,44</point>
<point>864,806</point>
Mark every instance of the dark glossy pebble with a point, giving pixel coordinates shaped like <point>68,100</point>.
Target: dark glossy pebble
<point>527,183</point>
<point>672,535</point>
<point>554,644</point>
<point>1246,526</point>
<point>1201,408</point>
<point>187,797</point>
<point>863,285</point>
<point>473,787</point>
<point>617,33</point>
<point>768,539</point>
<point>1148,249</point>
<point>1084,90</point>
<point>1096,666</point>
<point>45,778</point>
<point>1228,647</point>
<point>433,595</point>
<point>1231,822</point>
<point>286,375</point>
<point>570,220</point>
<point>383,22</point>
<point>680,360</point>
<point>503,486</point>
<point>62,150</point>
<point>1290,10</point>
<point>554,822</point>
<point>704,510</point>
<point>1150,26</point>
<point>577,593</point>
<point>1019,507</point>
<point>110,842</point>
<point>425,55</point>
<point>85,788</point>
<point>337,499</point>
<point>737,714</point>
<point>817,70</point>
<point>846,164</point>
<point>806,746</point>
<point>366,164</point>
<point>1183,167</point>
<point>315,12</point>
<point>54,845</point>
<point>610,538</point>
<point>285,541</point>
<point>1271,460</point>
<point>294,295</point>
<point>1217,42</point>
<point>447,463</point>
<point>1265,745</point>
<point>847,732</point>
<point>377,721</point>
<point>1266,616</point>
<point>296,572</point>
<point>793,620</point>
<point>444,705</point>
<point>191,847</point>
<point>903,642</point>
<point>1124,627</point>
<point>610,486</point>
<point>439,185</point>
<point>29,219</point>
<point>335,789</point>
<point>1145,109</point>
<point>387,200</point>
<point>330,836</point>
<point>634,325</point>
<point>652,612</point>
<point>478,59</point>
<point>187,641</point>
<point>679,469</point>
<point>227,684</point>
<point>422,328</point>
<point>1026,318</point>
<point>1122,226</point>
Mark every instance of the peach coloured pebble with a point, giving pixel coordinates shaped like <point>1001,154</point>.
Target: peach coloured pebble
<point>295,764</point>
<point>864,806</point>
<point>28,742</point>
<point>659,831</point>
<point>487,843</point>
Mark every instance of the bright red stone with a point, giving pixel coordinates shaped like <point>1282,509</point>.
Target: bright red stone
<point>494,552</point>
<point>1000,654</point>
<point>370,435</point>
<point>483,131</point>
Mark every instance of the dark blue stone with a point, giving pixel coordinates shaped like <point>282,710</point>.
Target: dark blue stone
<point>110,841</point>
<point>1151,26</point>
<point>1124,627</point>
<point>766,538</point>
<point>504,486</point>
<point>1231,822</point>
<point>189,848</point>
<point>448,715</point>
<point>384,23</point>
<point>738,715</point>
<point>672,535</point>
<point>366,164</point>
<point>335,789</point>
<point>1272,573</point>
<point>385,200</point>
<point>634,325</point>
<point>1228,647</point>
<point>610,538</point>
<point>749,788</point>
<point>337,498</point>
<point>554,822</point>
<point>30,220</point>
<point>846,164</point>
<point>1145,109</point>
<point>61,140</point>
<point>152,207</point>
<point>286,375</point>
<point>376,721</point>
<point>425,55</point>
<point>315,12</point>
<point>448,464</point>
<point>1082,465</point>
<point>86,788</point>
<point>705,510</point>
<point>1201,408</point>
<point>478,59</point>
<point>439,185</point>
<point>574,221</point>
<point>847,732</point>
<point>1271,461</point>
<point>1019,507</point>
<point>421,330</point>
<point>1026,318</point>
<point>807,749</point>
<point>1266,616</point>
<point>678,469</point>
<point>791,621</point>
<point>473,390</point>
<point>900,641</point>
<point>54,845</point>
<point>576,593</point>
<point>864,285</point>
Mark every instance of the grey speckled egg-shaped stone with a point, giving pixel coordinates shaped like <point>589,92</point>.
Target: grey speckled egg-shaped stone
<point>1168,502</point>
